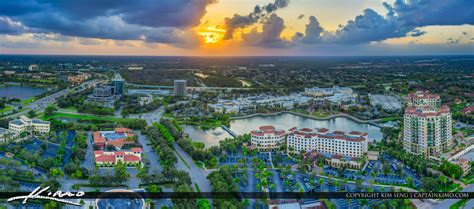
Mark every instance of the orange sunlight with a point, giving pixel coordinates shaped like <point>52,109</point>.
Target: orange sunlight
<point>211,35</point>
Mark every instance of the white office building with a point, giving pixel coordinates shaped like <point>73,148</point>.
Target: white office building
<point>268,138</point>
<point>25,124</point>
<point>352,144</point>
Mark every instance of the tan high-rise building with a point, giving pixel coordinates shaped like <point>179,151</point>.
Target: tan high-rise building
<point>427,125</point>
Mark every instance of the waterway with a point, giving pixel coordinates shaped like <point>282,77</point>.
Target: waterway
<point>283,121</point>
<point>20,92</point>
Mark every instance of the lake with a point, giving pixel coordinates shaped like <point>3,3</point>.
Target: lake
<point>20,92</point>
<point>283,121</point>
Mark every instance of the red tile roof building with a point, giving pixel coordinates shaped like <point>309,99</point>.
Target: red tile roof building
<point>352,144</point>
<point>109,158</point>
<point>117,138</point>
<point>267,138</point>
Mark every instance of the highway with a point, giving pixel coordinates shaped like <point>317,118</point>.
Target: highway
<point>41,104</point>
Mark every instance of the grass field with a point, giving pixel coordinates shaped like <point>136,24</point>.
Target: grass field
<point>390,119</point>
<point>86,117</point>
<point>27,101</point>
<point>6,109</point>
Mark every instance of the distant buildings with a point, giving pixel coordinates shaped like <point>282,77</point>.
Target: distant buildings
<point>267,138</point>
<point>336,95</point>
<point>25,124</point>
<point>33,67</point>
<point>180,88</point>
<point>78,79</point>
<point>427,125</point>
<point>386,102</point>
<point>323,92</point>
<point>119,84</point>
<point>112,147</point>
<point>250,104</point>
<point>105,95</point>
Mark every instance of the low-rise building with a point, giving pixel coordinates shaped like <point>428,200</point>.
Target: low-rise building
<point>268,138</point>
<point>25,124</point>
<point>352,144</point>
<point>465,165</point>
<point>112,147</point>
<point>386,102</point>
<point>33,67</point>
<point>5,135</point>
<point>102,95</point>
<point>250,104</point>
<point>129,157</point>
<point>117,138</point>
<point>324,92</point>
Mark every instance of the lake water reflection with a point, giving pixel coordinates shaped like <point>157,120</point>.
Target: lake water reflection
<point>283,121</point>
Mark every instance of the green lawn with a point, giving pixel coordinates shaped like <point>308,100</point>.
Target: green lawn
<point>6,109</point>
<point>86,117</point>
<point>27,101</point>
<point>390,119</point>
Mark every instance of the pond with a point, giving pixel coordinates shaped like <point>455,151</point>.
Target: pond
<point>284,121</point>
<point>20,92</point>
<point>209,137</point>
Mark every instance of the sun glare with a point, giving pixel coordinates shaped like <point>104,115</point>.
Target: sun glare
<point>211,35</point>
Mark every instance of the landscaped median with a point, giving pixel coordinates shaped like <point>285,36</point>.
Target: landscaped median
<point>86,117</point>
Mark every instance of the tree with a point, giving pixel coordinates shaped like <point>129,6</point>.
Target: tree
<point>121,174</point>
<point>31,113</point>
<point>49,111</point>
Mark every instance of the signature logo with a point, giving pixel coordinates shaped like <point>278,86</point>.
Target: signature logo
<point>56,196</point>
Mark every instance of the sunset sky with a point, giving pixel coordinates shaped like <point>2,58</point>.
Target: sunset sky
<point>237,27</point>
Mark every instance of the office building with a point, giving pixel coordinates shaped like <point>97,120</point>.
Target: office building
<point>180,88</point>
<point>268,138</point>
<point>303,140</point>
<point>33,67</point>
<point>25,124</point>
<point>118,83</point>
<point>427,125</point>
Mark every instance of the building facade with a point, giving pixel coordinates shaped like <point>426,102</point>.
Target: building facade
<point>110,158</point>
<point>180,88</point>
<point>25,124</point>
<point>267,138</point>
<point>427,125</point>
<point>352,144</point>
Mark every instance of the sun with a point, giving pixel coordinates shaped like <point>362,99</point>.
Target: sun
<point>211,35</point>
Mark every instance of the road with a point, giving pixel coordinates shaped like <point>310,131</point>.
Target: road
<point>41,104</point>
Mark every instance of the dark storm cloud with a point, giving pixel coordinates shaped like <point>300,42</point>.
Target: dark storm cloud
<point>270,36</point>
<point>110,19</point>
<point>402,19</point>
<point>8,26</point>
<point>259,13</point>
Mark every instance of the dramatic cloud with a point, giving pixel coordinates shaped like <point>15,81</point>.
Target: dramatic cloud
<point>149,20</point>
<point>270,36</point>
<point>259,13</point>
<point>402,19</point>
<point>8,26</point>
<point>433,12</point>
<point>312,32</point>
